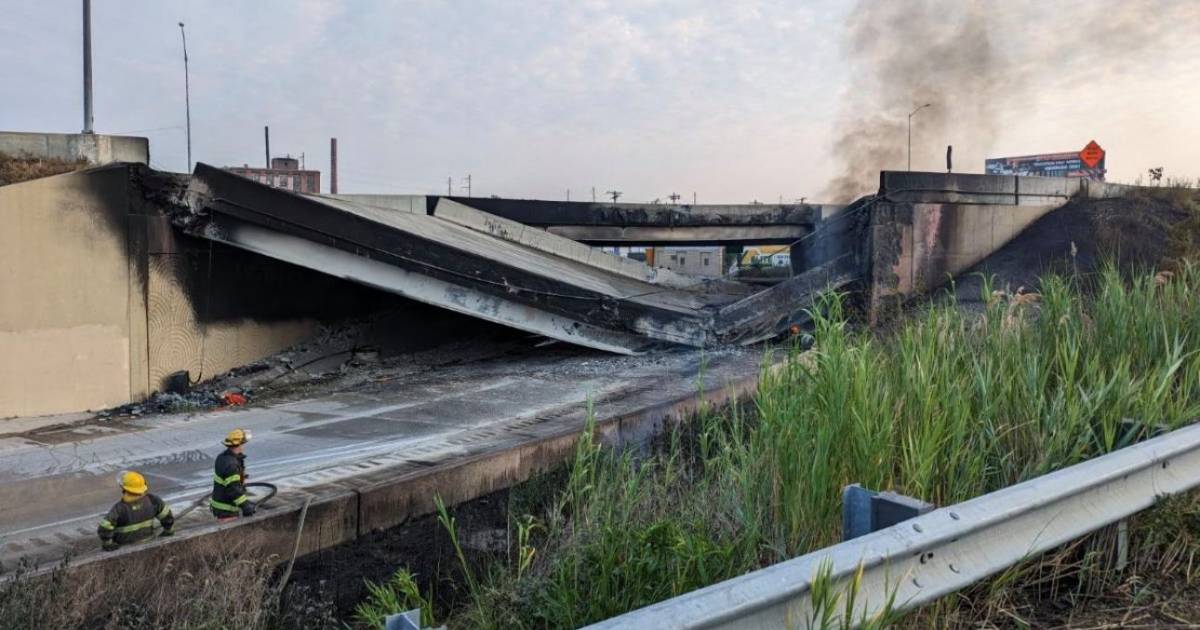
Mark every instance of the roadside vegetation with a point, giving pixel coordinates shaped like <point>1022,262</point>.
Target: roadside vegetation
<point>949,405</point>
<point>14,169</point>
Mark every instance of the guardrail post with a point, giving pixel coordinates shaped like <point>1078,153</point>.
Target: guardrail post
<point>865,511</point>
<point>1122,544</point>
<point>407,620</point>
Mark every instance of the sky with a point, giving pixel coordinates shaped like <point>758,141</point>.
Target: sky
<point>730,101</point>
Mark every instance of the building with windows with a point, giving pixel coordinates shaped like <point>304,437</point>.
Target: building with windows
<point>285,172</point>
<point>695,261</point>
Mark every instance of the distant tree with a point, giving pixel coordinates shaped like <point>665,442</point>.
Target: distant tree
<point>1156,174</point>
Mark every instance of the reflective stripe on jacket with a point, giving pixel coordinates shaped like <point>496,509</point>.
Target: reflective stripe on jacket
<point>229,484</point>
<point>133,521</point>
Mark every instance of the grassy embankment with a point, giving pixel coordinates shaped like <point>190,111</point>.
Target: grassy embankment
<point>946,407</point>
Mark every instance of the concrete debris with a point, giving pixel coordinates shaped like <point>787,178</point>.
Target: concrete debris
<point>165,402</point>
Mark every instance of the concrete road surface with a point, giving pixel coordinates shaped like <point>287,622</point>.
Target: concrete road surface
<point>55,484</point>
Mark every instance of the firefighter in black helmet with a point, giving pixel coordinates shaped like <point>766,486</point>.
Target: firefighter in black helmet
<point>229,498</point>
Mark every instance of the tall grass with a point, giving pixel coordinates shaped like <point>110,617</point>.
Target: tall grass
<point>949,405</point>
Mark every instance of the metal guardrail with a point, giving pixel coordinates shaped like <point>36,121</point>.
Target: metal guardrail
<point>931,555</point>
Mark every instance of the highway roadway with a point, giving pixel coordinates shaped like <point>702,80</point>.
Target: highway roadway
<point>56,483</point>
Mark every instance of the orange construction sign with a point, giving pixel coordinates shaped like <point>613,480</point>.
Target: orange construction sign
<point>1091,154</point>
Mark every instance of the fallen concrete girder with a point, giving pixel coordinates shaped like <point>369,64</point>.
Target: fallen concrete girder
<point>462,259</point>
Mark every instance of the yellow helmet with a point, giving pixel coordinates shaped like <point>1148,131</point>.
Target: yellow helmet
<point>132,482</point>
<point>237,437</point>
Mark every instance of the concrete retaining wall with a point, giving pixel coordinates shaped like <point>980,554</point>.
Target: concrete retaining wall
<point>926,228</point>
<point>97,149</point>
<point>70,310</point>
<point>100,299</point>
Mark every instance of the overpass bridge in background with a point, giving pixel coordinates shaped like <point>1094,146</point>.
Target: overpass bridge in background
<point>622,224</point>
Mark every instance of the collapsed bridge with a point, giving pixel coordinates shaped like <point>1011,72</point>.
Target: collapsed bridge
<point>117,277</point>
<point>112,279</point>
<point>445,253</point>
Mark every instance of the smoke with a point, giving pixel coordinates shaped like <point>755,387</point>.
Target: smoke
<point>974,62</point>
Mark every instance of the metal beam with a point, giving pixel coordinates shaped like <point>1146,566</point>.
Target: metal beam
<point>947,549</point>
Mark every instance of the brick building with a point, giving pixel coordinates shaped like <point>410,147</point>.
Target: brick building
<point>285,172</point>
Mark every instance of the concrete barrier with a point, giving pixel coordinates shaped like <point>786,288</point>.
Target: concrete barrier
<point>97,149</point>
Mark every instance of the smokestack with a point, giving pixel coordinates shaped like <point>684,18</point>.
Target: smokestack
<point>267,140</point>
<point>949,163</point>
<point>333,166</point>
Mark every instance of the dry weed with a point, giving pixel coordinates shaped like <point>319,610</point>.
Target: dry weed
<point>21,169</point>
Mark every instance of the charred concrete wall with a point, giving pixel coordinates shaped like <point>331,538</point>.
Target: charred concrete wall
<point>918,247</point>
<point>72,320</point>
<point>926,228</point>
<point>100,299</point>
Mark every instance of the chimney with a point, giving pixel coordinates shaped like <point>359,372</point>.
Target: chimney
<point>267,140</point>
<point>333,166</point>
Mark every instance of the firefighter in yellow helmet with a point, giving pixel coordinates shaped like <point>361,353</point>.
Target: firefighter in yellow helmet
<point>229,498</point>
<point>132,518</point>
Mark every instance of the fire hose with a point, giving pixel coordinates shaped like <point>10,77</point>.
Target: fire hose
<point>271,491</point>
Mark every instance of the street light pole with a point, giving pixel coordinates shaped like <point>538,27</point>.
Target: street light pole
<point>87,66</point>
<point>910,115</point>
<point>187,97</point>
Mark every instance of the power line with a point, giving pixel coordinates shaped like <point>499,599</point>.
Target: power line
<point>121,133</point>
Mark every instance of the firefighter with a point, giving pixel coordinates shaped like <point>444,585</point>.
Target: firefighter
<point>229,498</point>
<point>132,518</point>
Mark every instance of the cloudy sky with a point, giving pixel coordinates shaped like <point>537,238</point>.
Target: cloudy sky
<point>734,101</point>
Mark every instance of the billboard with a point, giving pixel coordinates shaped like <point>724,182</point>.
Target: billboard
<point>1088,163</point>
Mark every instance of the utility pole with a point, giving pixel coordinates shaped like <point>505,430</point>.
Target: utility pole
<point>187,100</point>
<point>568,194</point>
<point>593,194</point>
<point>87,66</point>
<point>910,115</point>
<point>615,194</point>
<point>468,186</point>
<point>693,198</point>
<point>267,144</point>
<point>449,187</point>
